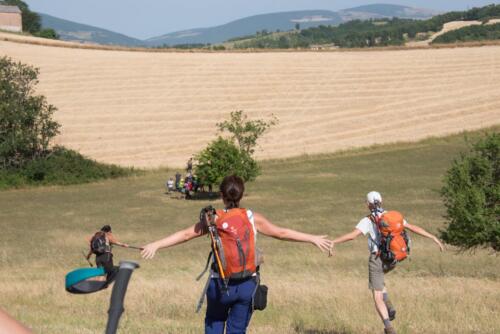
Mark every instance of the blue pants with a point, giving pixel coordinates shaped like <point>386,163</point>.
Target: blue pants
<point>231,309</point>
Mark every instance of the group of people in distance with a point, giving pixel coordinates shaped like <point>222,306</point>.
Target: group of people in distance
<point>230,289</point>
<point>185,185</point>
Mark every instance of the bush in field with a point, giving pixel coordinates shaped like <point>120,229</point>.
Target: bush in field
<point>221,158</point>
<point>245,132</point>
<point>62,167</point>
<point>26,132</point>
<point>472,197</point>
<point>47,33</point>
<point>26,125</point>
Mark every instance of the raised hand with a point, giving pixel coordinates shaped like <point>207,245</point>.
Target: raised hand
<point>149,251</point>
<point>322,243</point>
<point>440,244</point>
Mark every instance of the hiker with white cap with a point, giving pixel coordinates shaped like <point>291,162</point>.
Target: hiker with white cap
<point>388,244</point>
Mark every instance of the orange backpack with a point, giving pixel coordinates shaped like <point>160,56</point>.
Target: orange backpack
<point>235,244</point>
<point>233,252</point>
<point>394,242</point>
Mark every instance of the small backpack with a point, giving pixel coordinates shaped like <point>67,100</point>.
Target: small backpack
<point>236,247</point>
<point>98,243</point>
<point>394,242</point>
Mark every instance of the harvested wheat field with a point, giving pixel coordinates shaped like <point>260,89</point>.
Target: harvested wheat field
<point>151,109</point>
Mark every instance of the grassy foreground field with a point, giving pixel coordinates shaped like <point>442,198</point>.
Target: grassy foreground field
<point>44,231</point>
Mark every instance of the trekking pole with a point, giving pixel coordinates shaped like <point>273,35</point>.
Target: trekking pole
<point>133,247</point>
<point>118,295</point>
<point>85,256</point>
<point>215,247</point>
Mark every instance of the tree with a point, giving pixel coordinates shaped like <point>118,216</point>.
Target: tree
<point>221,158</point>
<point>47,33</point>
<point>472,196</point>
<point>26,125</point>
<point>246,133</point>
<point>31,20</point>
<point>297,26</point>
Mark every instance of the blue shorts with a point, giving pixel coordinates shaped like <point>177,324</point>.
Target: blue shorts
<point>231,309</point>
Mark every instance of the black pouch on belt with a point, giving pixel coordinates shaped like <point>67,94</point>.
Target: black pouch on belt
<point>260,297</point>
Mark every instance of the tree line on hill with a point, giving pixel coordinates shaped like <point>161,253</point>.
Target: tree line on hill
<point>471,34</point>
<point>369,33</point>
<point>31,20</point>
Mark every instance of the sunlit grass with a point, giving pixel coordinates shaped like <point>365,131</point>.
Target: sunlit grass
<point>44,231</point>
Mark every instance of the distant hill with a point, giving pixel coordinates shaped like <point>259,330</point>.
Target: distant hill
<point>72,31</point>
<point>248,26</point>
<point>286,21</point>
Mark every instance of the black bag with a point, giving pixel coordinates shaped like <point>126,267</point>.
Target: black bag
<point>260,297</point>
<point>98,243</point>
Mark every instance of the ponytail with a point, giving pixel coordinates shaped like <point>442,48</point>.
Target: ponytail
<point>232,188</point>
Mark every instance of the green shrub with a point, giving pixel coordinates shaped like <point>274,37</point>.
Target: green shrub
<point>472,197</point>
<point>47,33</point>
<point>26,125</point>
<point>221,158</point>
<point>60,167</point>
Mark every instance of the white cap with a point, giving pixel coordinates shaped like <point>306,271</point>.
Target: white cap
<point>373,196</point>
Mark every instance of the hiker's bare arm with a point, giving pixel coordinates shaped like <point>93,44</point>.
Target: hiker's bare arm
<point>426,234</point>
<point>10,325</point>
<point>265,227</point>
<point>179,237</point>
<point>348,237</point>
<point>114,241</point>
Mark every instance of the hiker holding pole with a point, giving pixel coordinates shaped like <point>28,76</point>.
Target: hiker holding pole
<point>388,244</point>
<point>233,276</point>
<point>101,245</point>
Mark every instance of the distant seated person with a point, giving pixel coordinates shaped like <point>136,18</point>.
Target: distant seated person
<point>195,183</point>
<point>181,185</point>
<point>188,188</point>
<point>170,185</point>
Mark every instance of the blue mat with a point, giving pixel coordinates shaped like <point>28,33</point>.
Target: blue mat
<point>81,280</point>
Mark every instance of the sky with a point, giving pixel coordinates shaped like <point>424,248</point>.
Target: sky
<point>150,18</point>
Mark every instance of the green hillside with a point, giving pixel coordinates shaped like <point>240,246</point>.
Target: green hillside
<point>367,33</point>
<point>485,32</point>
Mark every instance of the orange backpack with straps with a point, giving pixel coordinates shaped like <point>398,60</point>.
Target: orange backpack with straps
<point>394,242</point>
<point>236,245</point>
